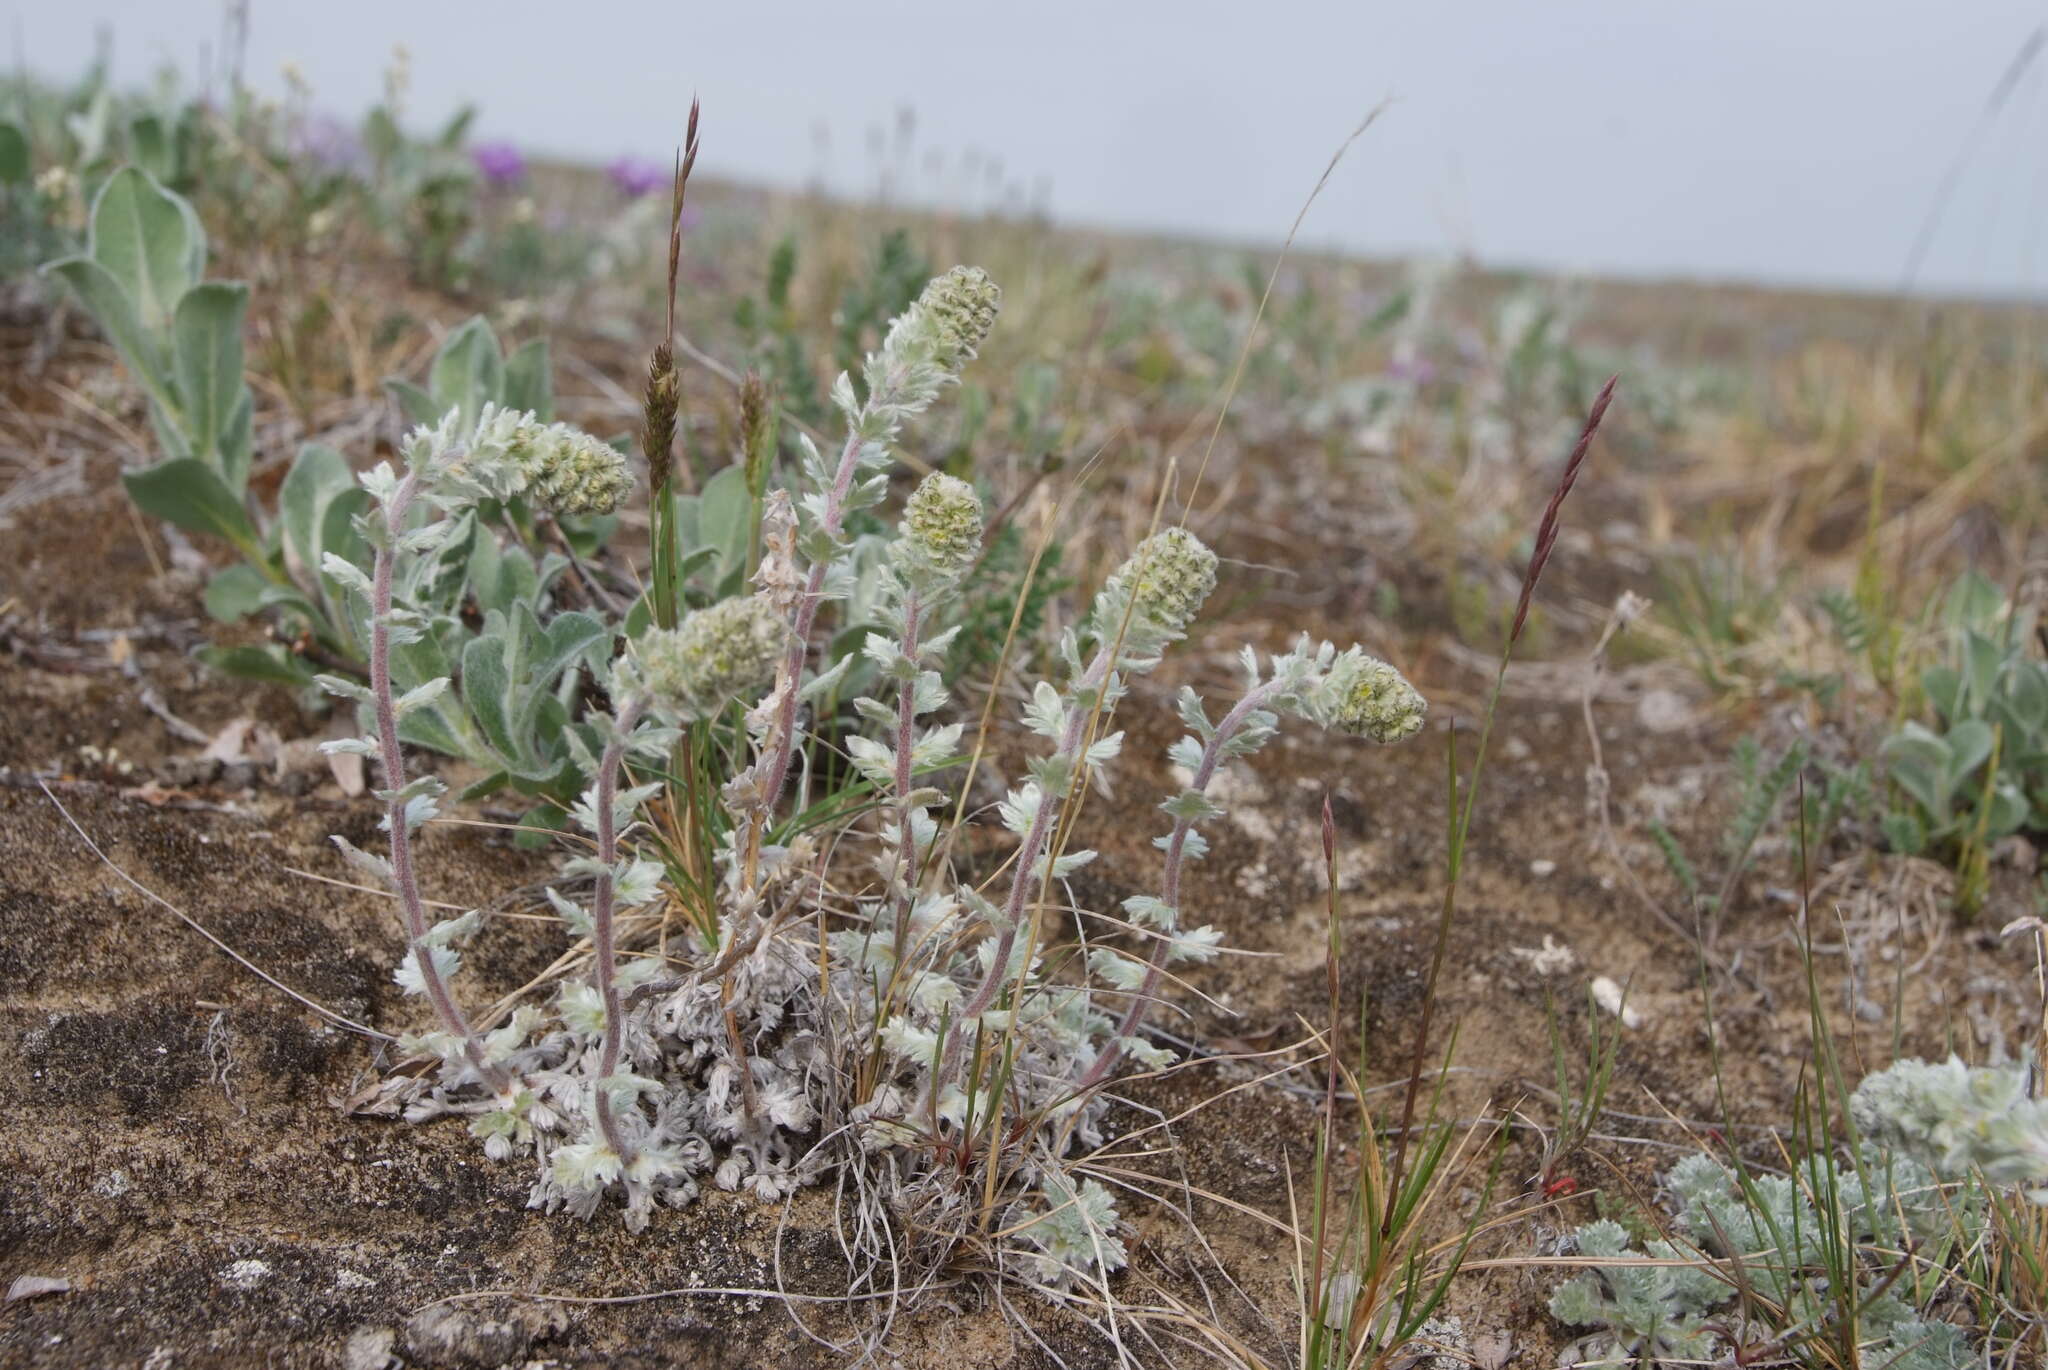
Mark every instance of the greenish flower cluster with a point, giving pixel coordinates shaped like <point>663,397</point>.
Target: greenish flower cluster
<point>941,530</point>
<point>566,470</point>
<point>716,655</point>
<point>1366,697</point>
<point>960,308</point>
<point>1956,1118</point>
<point>1166,580</point>
<point>925,349</point>
<point>509,454</point>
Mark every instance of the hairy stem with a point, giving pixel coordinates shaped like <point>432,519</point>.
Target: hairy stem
<point>603,951</point>
<point>1021,879</point>
<point>782,737</point>
<point>906,734</point>
<point>403,879</point>
<point>1176,858</point>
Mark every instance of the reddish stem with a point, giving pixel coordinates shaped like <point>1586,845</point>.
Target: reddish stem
<point>1176,848</point>
<point>603,953</point>
<point>403,878</point>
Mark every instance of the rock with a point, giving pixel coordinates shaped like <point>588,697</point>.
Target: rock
<point>369,1348</point>
<point>1663,711</point>
<point>35,1286</point>
<point>2017,852</point>
<point>1553,956</point>
<point>1610,996</point>
<point>245,1274</point>
<point>451,1337</point>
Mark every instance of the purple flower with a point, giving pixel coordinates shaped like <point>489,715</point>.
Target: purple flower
<point>636,176</point>
<point>329,143</point>
<point>1413,369</point>
<point>502,164</point>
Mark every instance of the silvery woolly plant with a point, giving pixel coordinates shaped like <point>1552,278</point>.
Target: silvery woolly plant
<point>946,986</point>
<point>1955,1118</point>
<point>650,1073</point>
<point>1927,1133</point>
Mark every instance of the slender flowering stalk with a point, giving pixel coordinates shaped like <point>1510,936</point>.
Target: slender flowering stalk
<point>924,351</point>
<point>1169,892</point>
<point>941,537</point>
<point>1024,875</point>
<point>604,956</point>
<point>396,817</point>
<point>906,739</point>
<point>663,398</point>
<point>1350,692</point>
<point>782,734</point>
<point>503,454</point>
<point>1147,604</point>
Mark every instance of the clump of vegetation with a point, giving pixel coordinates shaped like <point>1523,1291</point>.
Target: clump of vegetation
<point>1850,1255</point>
<point>963,1048</point>
<point>1650,1307</point>
<point>1978,770</point>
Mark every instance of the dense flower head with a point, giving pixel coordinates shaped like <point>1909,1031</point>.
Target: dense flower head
<point>961,308</point>
<point>511,455</point>
<point>1167,579</point>
<point>1366,697</point>
<point>718,654</point>
<point>924,350</point>
<point>566,470</point>
<point>941,528</point>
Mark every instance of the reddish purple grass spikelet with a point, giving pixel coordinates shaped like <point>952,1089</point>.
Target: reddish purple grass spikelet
<point>1546,532</point>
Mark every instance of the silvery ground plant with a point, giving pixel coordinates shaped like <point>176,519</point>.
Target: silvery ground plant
<point>856,1001</point>
<point>1873,1230</point>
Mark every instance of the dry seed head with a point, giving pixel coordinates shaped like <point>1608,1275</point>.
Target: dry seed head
<point>1167,578</point>
<point>942,525</point>
<point>729,651</point>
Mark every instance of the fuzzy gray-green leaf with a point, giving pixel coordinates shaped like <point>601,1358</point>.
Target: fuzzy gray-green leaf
<point>206,359</point>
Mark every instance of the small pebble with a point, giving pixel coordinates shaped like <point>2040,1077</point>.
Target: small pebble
<point>1610,996</point>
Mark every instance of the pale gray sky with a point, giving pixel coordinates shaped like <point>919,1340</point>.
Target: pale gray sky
<point>1789,140</point>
